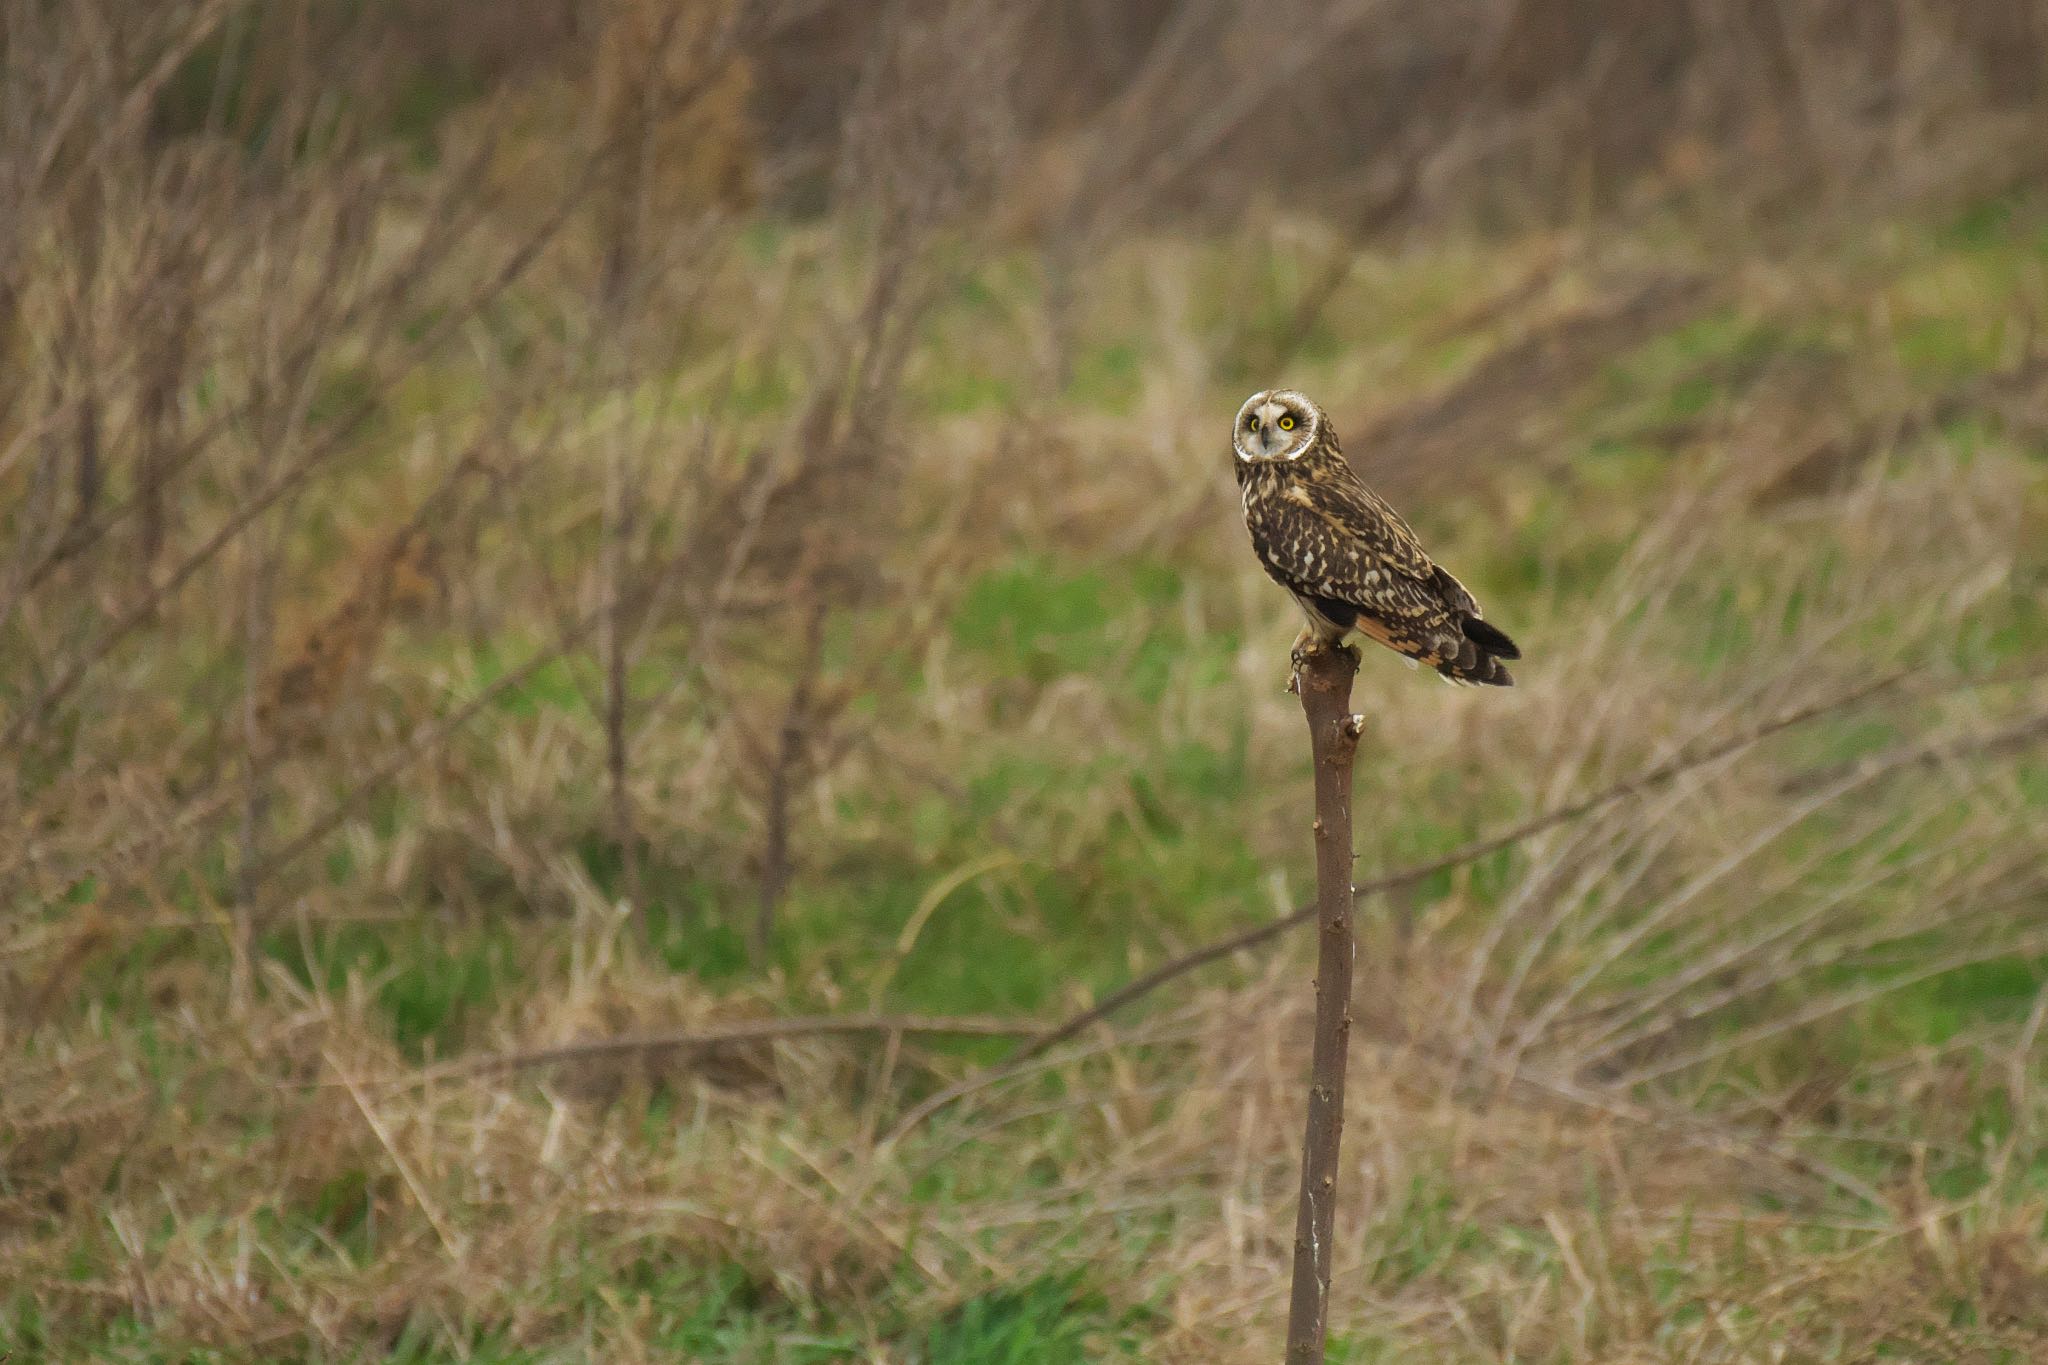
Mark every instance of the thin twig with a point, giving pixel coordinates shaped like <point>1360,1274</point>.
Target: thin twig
<point>449,1241</point>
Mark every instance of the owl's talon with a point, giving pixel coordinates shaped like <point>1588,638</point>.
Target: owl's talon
<point>1308,647</point>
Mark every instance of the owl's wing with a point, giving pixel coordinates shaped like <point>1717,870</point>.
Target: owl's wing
<point>1385,546</point>
<point>1375,572</point>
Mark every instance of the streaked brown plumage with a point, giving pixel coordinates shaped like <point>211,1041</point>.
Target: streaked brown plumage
<point>1349,560</point>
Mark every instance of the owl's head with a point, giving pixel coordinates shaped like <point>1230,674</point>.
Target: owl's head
<point>1276,424</point>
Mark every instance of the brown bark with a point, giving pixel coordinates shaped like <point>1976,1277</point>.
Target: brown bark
<point>1324,681</point>
<point>783,776</point>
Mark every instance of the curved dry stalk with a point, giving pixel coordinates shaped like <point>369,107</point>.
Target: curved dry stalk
<point>1632,1021</point>
<point>1624,941</point>
<point>1627,862</point>
<point>2029,945</point>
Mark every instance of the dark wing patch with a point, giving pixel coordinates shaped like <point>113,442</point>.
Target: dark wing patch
<point>1338,613</point>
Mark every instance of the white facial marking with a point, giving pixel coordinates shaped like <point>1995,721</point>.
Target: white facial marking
<point>1260,435</point>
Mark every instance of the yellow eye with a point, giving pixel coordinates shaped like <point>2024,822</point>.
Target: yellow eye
<point>1251,421</point>
<point>1286,424</point>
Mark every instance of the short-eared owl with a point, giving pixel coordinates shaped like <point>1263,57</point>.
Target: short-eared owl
<point>1348,558</point>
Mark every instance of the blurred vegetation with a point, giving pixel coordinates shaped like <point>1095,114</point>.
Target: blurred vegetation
<point>525,521</point>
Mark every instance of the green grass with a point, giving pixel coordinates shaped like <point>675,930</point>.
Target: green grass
<point>431,982</point>
<point>1047,1319</point>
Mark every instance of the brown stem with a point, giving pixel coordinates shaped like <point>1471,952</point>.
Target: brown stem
<point>624,839</point>
<point>1325,676</point>
<point>630,88</point>
<point>259,632</point>
<point>617,635</point>
<point>782,781</point>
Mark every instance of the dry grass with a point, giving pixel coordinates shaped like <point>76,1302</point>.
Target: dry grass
<point>450,610</point>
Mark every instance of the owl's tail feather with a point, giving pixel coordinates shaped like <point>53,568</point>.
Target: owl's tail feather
<point>1492,639</point>
<point>1479,656</point>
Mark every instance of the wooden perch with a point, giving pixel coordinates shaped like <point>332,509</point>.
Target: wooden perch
<point>1323,677</point>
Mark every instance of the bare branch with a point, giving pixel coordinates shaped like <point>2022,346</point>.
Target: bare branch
<point>729,1035</point>
<point>1324,678</point>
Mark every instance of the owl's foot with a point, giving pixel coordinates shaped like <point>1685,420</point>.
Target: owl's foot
<point>1307,646</point>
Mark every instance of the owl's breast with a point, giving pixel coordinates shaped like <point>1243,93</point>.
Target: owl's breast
<point>1271,499</point>
<point>1286,532</point>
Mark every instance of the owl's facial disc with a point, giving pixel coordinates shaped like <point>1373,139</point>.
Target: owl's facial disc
<point>1273,425</point>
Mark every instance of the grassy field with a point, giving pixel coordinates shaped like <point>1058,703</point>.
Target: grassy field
<point>986,720</point>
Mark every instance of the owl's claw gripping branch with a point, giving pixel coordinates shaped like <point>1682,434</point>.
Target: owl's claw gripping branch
<point>1308,647</point>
